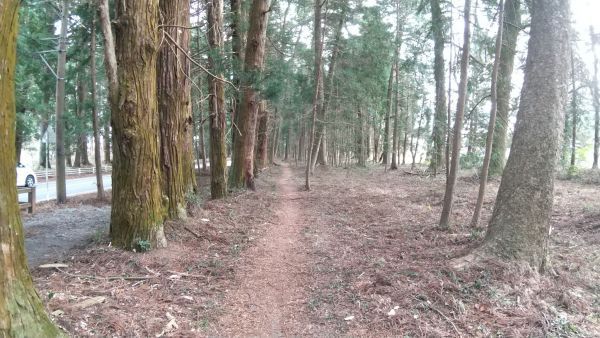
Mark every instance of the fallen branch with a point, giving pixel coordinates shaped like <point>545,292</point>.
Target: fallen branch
<point>111,278</point>
<point>184,274</point>
<point>192,232</point>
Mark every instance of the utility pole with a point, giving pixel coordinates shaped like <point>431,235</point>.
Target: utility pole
<point>61,186</point>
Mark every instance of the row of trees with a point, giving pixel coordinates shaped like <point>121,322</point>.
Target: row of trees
<point>353,96</point>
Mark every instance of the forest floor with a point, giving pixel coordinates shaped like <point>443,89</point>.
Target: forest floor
<point>358,255</point>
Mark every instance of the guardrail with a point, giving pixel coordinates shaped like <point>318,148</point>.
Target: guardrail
<point>30,204</point>
<point>39,174</point>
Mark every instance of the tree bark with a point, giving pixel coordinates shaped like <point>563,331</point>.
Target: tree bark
<point>510,33</point>
<point>439,125</point>
<point>21,310</point>
<point>596,102</point>
<point>174,95</point>
<point>394,164</point>
<point>95,124</point>
<point>573,110</point>
<point>388,113</point>
<point>520,225</point>
<point>318,127</point>
<point>107,144</point>
<point>492,123</point>
<point>138,209</point>
<point>262,137</point>
<point>61,183</point>
<point>238,37</point>
<point>242,167</point>
<point>218,120</point>
<point>458,123</point>
<point>81,156</point>
<point>316,104</point>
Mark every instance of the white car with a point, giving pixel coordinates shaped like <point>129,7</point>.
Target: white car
<point>25,176</point>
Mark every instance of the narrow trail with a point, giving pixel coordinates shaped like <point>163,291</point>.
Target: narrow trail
<point>271,294</point>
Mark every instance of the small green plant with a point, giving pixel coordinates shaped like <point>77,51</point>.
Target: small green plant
<point>572,172</point>
<point>477,234</point>
<point>203,324</point>
<point>192,198</point>
<point>143,245</point>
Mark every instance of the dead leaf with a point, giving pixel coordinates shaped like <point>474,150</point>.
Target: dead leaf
<point>89,302</point>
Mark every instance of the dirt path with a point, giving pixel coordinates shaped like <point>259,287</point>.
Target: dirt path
<point>271,294</point>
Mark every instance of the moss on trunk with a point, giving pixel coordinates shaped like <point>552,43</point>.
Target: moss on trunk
<point>138,209</point>
<point>22,313</point>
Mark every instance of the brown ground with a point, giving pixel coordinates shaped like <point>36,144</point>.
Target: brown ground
<point>359,255</point>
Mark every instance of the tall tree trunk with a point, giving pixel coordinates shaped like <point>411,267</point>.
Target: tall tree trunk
<point>316,104</point>
<point>361,151</point>
<point>61,183</point>
<point>510,33</point>
<point>395,132</point>
<point>238,37</point>
<point>44,149</point>
<point>107,136</point>
<point>439,125</point>
<point>174,95</point>
<point>376,137</point>
<point>596,100</point>
<point>388,113</point>
<point>520,225</point>
<point>273,145</point>
<point>573,110</point>
<point>262,137</point>
<point>199,124</point>
<point>328,84</point>
<point>492,123</point>
<point>81,157</point>
<point>218,120</point>
<point>21,311</point>
<point>242,167</point>
<point>138,209</point>
<point>95,124</point>
<point>458,123</point>
<point>449,114</point>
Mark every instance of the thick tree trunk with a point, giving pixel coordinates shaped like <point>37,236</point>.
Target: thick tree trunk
<point>21,311</point>
<point>510,33</point>
<point>95,124</point>
<point>439,124</point>
<point>174,95</point>
<point>520,225</point>
<point>138,209</point>
<point>218,120</point>
<point>458,123</point>
<point>492,123</point>
<point>242,167</point>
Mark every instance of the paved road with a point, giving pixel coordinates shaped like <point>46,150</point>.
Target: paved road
<point>76,186</point>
